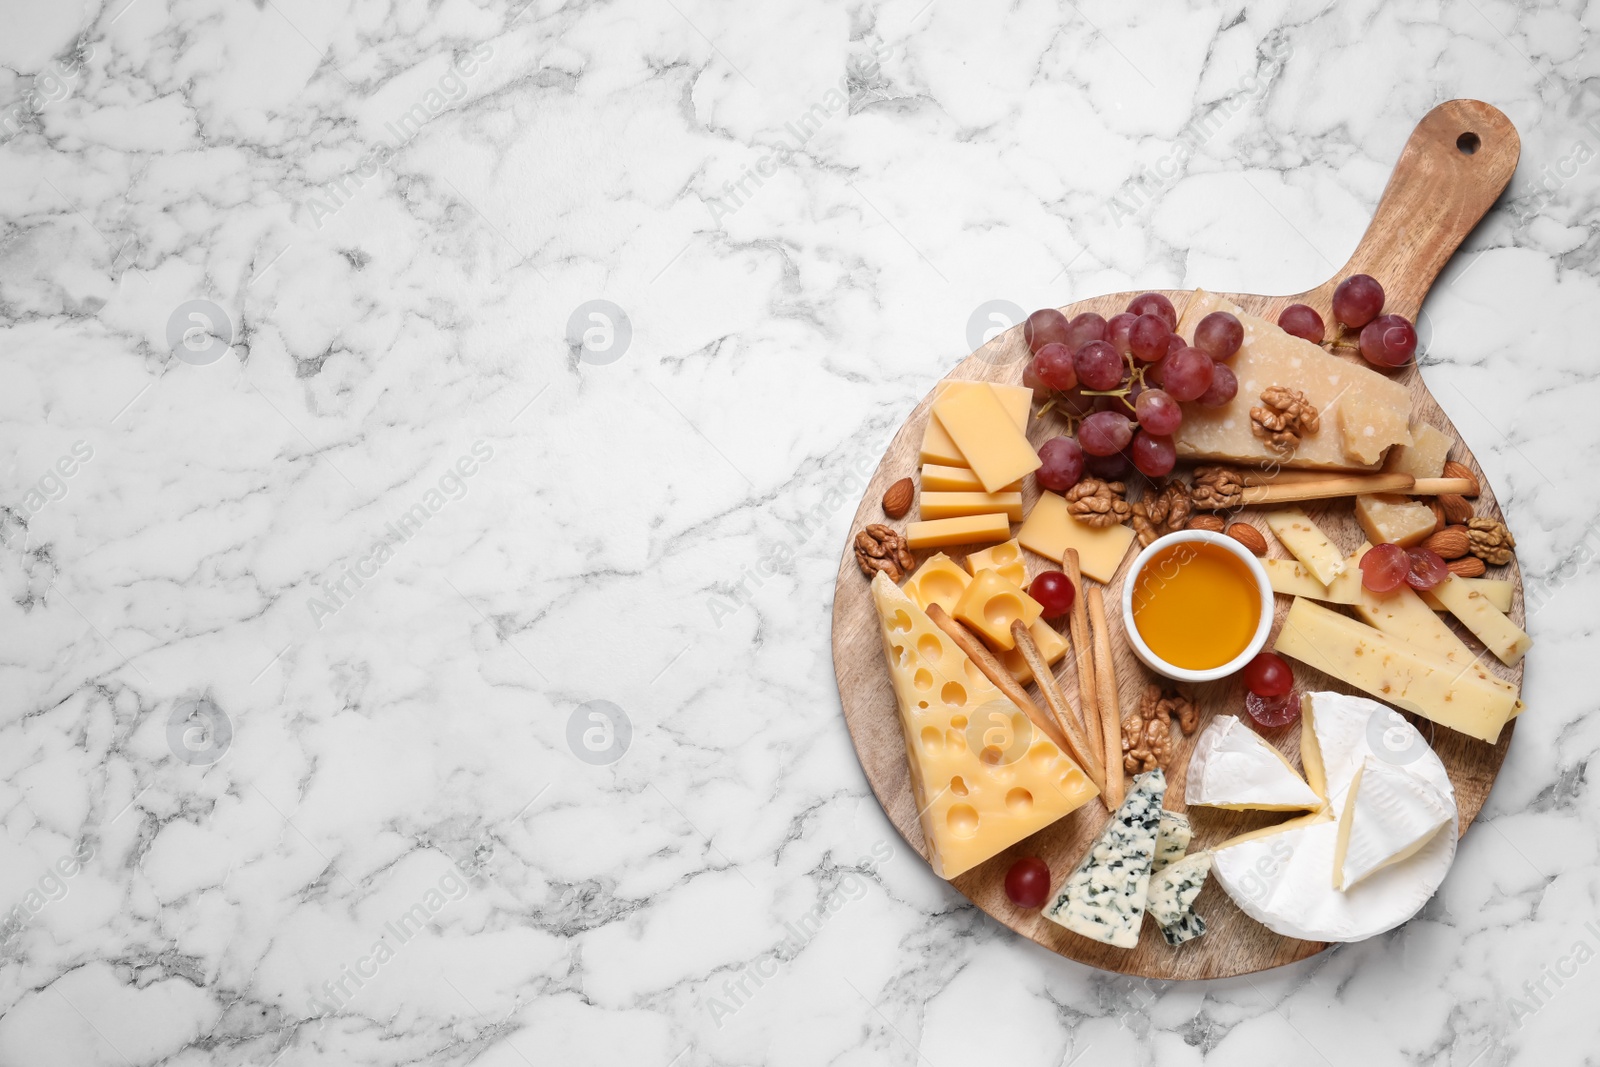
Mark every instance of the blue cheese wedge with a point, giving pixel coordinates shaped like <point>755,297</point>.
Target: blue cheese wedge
<point>1187,928</point>
<point>1172,838</point>
<point>1173,889</point>
<point>1104,898</point>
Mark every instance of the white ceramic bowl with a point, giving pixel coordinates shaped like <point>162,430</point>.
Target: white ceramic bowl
<point>1183,674</point>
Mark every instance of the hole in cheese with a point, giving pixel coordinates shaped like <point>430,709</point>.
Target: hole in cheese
<point>958,786</point>
<point>992,755</point>
<point>942,588</point>
<point>932,740</point>
<point>959,722</point>
<point>923,679</point>
<point>1001,610</point>
<point>953,694</point>
<point>962,820</point>
<point>1042,756</point>
<point>930,648</point>
<point>1020,801</point>
<point>899,622</point>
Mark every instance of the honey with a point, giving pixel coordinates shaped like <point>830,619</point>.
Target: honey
<point>1196,605</point>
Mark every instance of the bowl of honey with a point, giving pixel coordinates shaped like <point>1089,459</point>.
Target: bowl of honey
<point>1196,606</point>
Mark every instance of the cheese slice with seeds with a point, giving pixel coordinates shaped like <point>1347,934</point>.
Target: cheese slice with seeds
<point>982,776</point>
<point>1363,413</point>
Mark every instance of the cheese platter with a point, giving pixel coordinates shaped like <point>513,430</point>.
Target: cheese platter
<point>1196,605</point>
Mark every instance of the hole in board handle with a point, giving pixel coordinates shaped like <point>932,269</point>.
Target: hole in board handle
<point>1468,143</point>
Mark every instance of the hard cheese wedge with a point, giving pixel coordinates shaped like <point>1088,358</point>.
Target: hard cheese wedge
<point>1233,767</point>
<point>971,808</point>
<point>1103,899</point>
<point>938,448</point>
<point>1389,814</point>
<point>995,448</point>
<point>1394,519</point>
<point>941,581</point>
<point>1050,530</point>
<point>1308,544</point>
<point>1424,457</point>
<point>1362,412</point>
<point>1370,660</point>
<point>1174,887</point>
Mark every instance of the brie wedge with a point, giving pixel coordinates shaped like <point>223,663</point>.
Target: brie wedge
<point>1388,816</point>
<point>1234,768</point>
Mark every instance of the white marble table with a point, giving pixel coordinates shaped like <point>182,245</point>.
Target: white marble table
<point>312,586</point>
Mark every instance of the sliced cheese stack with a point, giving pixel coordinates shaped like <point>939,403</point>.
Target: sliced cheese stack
<point>976,798</point>
<point>1104,898</point>
<point>1234,768</point>
<point>1286,876</point>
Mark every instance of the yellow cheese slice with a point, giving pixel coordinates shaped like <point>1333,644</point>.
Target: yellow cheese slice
<point>1293,579</point>
<point>1363,412</point>
<point>937,447</point>
<point>965,530</point>
<point>1052,646</point>
<point>1394,519</point>
<point>941,479</point>
<point>1496,591</point>
<point>1050,530</point>
<point>1395,672</point>
<point>982,776</point>
<point>995,448</point>
<point>1488,623</point>
<point>1306,541</point>
<point>950,505</point>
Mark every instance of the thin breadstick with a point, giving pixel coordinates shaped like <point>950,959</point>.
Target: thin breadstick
<point>1106,695</point>
<point>1327,488</point>
<point>1086,756</point>
<point>1442,486</point>
<point>996,672</point>
<point>1083,654</point>
<point>1277,475</point>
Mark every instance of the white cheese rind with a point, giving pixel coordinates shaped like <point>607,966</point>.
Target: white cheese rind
<point>1234,767</point>
<point>1103,899</point>
<point>1388,816</point>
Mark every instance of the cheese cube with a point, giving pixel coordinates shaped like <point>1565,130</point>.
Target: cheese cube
<point>1362,412</point>
<point>1394,519</point>
<point>940,479</point>
<point>951,505</point>
<point>1496,590</point>
<point>1488,623</point>
<point>938,581</point>
<point>1050,530</point>
<point>1052,646</point>
<point>991,604</point>
<point>1424,457</point>
<point>936,444</point>
<point>1006,560</point>
<point>1393,671</point>
<point>995,448</point>
<point>966,530</point>
<point>1307,543</point>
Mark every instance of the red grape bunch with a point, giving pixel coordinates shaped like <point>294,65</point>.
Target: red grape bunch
<point>1119,383</point>
<point>1384,340</point>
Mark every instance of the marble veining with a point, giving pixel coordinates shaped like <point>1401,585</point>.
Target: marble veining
<point>430,433</point>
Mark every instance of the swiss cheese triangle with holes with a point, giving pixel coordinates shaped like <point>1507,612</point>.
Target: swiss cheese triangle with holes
<point>983,777</point>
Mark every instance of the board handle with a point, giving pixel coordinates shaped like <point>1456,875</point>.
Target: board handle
<point>1460,158</point>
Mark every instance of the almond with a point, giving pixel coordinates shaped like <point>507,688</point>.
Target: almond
<point>1439,521</point>
<point>1451,542</point>
<point>1452,469</point>
<point>1249,537</point>
<point>897,498</point>
<point>1458,509</point>
<point>1466,567</point>
<point>1213,523</point>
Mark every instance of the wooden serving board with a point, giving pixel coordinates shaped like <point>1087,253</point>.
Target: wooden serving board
<point>1455,165</point>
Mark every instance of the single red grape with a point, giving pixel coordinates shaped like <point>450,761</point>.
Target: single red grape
<point>1098,366</point>
<point>1427,568</point>
<point>1187,374</point>
<point>1074,403</point>
<point>1053,367</point>
<point>1157,411</point>
<point>1154,454</point>
<point>1085,328</point>
<point>1357,300</point>
<point>1302,320</point>
<point>1117,327</point>
<point>1045,326</point>
<point>1224,387</point>
<point>1384,568</point>
<point>1268,675</point>
<point>1388,341</point>
<point>1147,338</point>
<point>1273,712</point>
<point>1061,464</point>
<point>1054,592</point>
<point>1219,335</point>
<point>1105,433</point>
<point>1028,882</point>
<point>1157,305</point>
<point>1040,390</point>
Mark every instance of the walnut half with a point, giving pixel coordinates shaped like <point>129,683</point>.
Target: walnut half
<point>1284,417</point>
<point>1098,503</point>
<point>1162,511</point>
<point>879,548</point>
